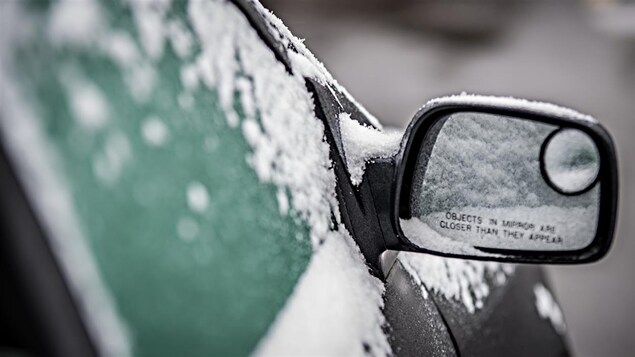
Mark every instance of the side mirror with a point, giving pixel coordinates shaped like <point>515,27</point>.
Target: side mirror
<point>501,179</point>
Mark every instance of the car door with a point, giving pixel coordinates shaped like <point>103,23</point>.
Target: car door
<point>176,182</point>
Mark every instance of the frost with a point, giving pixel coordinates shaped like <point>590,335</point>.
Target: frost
<point>513,103</point>
<point>197,197</point>
<point>154,131</point>
<point>464,281</point>
<point>362,144</point>
<point>548,308</point>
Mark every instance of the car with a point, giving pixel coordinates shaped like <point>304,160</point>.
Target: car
<point>186,178</point>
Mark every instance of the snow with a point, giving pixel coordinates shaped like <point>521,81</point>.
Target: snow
<point>110,162</point>
<point>197,197</point>
<point>464,281</point>
<point>86,101</point>
<point>154,131</point>
<point>180,39</point>
<point>513,103</point>
<point>330,291</point>
<point>548,308</point>
<point>304,62</point>
<point>336,307</point>
<point>363,144</point>
<point>149,18</point>
<point>75,23</point>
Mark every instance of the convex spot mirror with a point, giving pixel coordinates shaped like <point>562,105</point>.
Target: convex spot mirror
<point>504,179</point>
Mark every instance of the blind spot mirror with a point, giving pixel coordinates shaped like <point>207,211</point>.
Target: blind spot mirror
<point>571,161</point>
<point>502,179</point>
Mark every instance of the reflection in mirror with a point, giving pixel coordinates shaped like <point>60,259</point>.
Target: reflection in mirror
<point>571,161</point>
<point>478,183</point>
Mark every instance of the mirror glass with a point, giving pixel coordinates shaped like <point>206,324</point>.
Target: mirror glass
<point>571,161</point>
<point>490,181</point>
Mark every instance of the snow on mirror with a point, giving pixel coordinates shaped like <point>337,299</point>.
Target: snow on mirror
<point>480,181</point>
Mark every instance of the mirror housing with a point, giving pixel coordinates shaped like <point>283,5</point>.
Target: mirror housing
<point>538,186</point>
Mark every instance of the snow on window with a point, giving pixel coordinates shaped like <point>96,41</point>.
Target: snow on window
<point>336,307</point>
<point>154,131</point>
<point>549,309</point>
<point>197,197</point>
<point>88,104</point>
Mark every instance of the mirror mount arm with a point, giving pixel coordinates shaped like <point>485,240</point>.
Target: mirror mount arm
<point>380,174</point>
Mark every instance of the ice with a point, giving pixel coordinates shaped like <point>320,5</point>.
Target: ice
<point>548,308</point>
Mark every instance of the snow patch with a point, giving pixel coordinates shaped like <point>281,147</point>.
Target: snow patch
<point>304,62</point>
<point>289,151</point>
<point>464,281</point>
<point>549,309</point>
<point>155,133</point>
<point>336,278</point>
<point>512,103</point>
<point>86,101</point>
<point>197,197</point>
<point>363,144</point>
<point>109,163</point>
<point>180,39</point>
<point>75,23</point>
<point>149,18</point>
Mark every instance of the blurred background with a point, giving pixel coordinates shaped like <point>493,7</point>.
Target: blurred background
<point>393,56</point>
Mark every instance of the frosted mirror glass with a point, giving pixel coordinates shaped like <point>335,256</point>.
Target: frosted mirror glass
<point>490,181</point>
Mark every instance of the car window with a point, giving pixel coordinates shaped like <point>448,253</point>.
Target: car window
<point>186,249</point>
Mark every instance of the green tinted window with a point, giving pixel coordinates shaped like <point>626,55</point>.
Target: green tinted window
<point>190,244</point>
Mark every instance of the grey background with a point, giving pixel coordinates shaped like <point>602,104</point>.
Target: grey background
<point>394,56</point>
